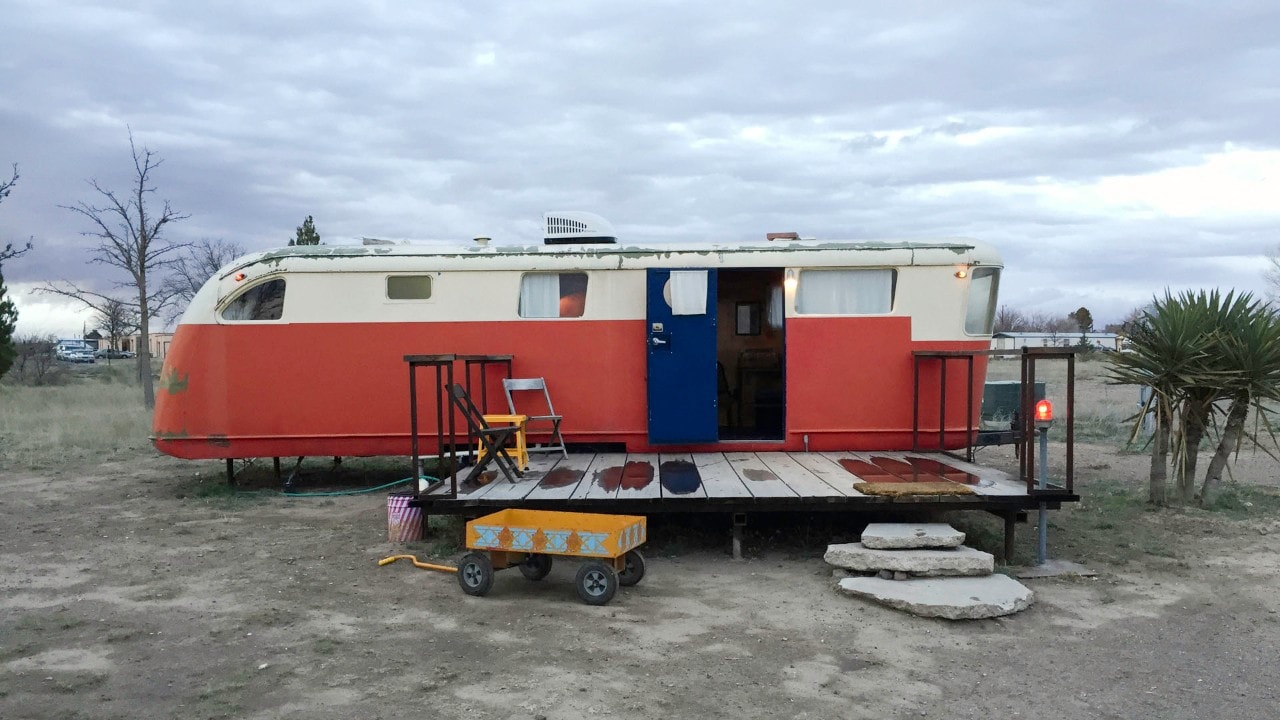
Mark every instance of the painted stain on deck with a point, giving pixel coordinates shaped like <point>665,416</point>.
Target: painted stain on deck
<point>560,477</point>
<point>942,469</point>
<point>679,477</point>
<point>637,475</point>
<point>609,478</point>
<point>470,486</point>
<point>757,475</point>
<point>867,471</point>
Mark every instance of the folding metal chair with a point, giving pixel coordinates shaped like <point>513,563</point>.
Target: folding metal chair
<point>556,441</point>
<point>493,438</point>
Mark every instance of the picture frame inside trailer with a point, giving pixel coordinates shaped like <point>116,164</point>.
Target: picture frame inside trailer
<point>748,318</point>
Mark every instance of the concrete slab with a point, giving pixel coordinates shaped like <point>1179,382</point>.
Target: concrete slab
<point>967,598</point>
<point>923,563</point>
<point>907,536</point>
<point>1054,568</point>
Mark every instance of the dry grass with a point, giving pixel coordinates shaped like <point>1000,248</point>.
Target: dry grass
<point>1103,411</point>
<point>96,417</point>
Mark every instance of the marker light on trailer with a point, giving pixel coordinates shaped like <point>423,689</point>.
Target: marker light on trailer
<point>239,277</point>
<point>1044,413</point>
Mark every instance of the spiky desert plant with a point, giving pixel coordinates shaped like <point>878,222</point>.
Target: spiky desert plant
<point>1249,351</point>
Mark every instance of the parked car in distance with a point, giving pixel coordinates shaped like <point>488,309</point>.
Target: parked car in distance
<point>112,354</point>
<point>76,355</point>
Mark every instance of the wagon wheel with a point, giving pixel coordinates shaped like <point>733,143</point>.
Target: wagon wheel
<point>633,571</point>
<point>536,567</point>
<point>475,573</point>
<point>596,582</point>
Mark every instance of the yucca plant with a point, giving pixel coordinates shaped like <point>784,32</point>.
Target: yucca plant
<point>1167,352</point>
<point>1218,316</point>
<point>1249,349</point>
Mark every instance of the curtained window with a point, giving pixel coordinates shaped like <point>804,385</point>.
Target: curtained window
<point>553,295</point>
<point>845,292</point>
<point>688,292</point>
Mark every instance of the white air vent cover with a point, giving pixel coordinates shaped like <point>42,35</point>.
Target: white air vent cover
<point>576,227</point>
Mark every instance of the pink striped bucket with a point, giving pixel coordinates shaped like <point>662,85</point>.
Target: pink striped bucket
<point>404,523</point>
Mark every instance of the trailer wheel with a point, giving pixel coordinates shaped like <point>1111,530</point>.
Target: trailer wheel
<point>475,573</point>
<point>596,582</point>
<point>536,567</point>
<point>633,571</point>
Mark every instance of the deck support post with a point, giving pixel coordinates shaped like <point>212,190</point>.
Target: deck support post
<point>739,522</point>
<point>231,472</point>
<point>275,463</point>
<point>1010,525</point>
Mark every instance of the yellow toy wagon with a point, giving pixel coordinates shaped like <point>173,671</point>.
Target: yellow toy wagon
<point>529,539</point>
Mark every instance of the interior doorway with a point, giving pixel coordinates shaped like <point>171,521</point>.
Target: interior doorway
<point>750,354</point>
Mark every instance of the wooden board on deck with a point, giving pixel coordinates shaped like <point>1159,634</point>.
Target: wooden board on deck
<point>796,476</point>
<point>640,478</point>
<point>504,490</point>
<point>561,481</point>
<point>829,472</point>
<point>598,482</point>
<point>719,479</point>
<point>759,480</point>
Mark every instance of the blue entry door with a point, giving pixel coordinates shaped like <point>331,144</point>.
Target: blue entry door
<point>682,356</point>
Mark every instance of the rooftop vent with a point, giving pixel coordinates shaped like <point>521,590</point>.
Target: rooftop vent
<point>577,228</point>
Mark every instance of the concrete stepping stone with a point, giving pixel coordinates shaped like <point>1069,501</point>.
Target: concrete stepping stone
<point>922,563</point>
<point>907,536</point>
<point>953,598</point>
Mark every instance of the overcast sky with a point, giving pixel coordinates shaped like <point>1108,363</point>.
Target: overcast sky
<point>1108,149</point>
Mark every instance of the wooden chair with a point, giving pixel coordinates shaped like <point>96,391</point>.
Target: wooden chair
<point>513,385</point>
<point>493,438</point>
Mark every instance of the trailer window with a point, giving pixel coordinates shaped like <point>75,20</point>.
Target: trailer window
<point>980,314</point>
<point>264,301</point>
<point>408,287</point>
<point>845,292</point>
<point>553,295</point>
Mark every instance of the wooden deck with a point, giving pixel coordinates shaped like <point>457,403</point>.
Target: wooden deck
<point>736,482</point>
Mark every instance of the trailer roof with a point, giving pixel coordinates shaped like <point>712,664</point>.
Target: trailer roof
<point>754,254</point>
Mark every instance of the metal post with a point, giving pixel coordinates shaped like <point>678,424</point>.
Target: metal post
<point>1042,544</point>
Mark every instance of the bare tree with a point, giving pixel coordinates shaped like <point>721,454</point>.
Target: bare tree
<point>35,363</point>
<point>130,237</point>
<point>195,266</point>
<point>1010,320</point>
<point>116,319</point>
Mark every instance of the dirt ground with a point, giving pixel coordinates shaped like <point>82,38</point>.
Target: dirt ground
<point>137,589</point>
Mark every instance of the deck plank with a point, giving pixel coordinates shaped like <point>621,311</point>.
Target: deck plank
<point>560,482</point>
<point>501,489</point>
<point>757,477</point>
<point>991,480</point>
<point>836,457</point>
<point>796,476</point>
<point>829,472</point>
<point>595,485</point>
<point>719,479</point>
<point>640,478</point>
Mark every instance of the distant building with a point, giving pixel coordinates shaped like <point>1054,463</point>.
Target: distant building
<point>159,343</point>
<point>1019,340</point>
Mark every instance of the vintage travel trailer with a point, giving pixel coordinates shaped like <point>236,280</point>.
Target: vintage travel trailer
<point>783,344</point>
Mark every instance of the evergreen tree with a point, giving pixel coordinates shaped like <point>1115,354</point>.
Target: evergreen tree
<point>8,321</point>
<point>307,234</point>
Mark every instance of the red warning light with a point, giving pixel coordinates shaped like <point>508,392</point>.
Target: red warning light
<point>239,277</point>
<point>1044,411</point>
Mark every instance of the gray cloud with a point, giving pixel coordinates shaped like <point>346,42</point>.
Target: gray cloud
<point>674,120</point>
